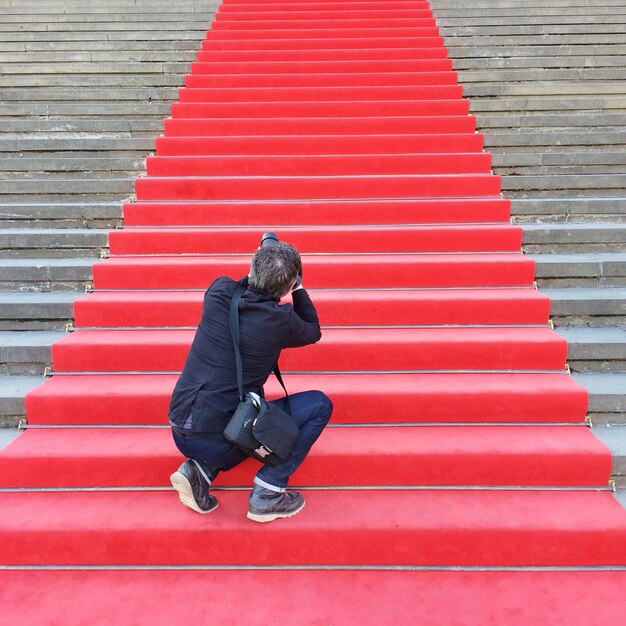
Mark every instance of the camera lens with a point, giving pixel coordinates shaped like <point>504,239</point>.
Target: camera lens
<point>269,238</point>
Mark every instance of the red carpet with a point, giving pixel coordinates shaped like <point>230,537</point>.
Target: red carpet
<point>458,438</point>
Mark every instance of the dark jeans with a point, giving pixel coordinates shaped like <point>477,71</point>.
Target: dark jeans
<point>310,409</point>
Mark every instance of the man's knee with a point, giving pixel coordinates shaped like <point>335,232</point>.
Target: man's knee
<point>324,402</point>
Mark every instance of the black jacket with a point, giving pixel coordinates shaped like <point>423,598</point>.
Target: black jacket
<point>206,393</point>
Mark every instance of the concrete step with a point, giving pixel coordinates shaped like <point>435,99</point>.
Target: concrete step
<point>579,237</point>
<point>91,57</point>
<point>100,46</point>
<point>564,185</point>
<point>99,81</point>
<point>9,166</point>
<point>104,215</point>
<point>110,17</point>
<point>86,144</point>
<point>607,401</point>
<point>113,187</point>
<point>591,104</point>
<point>596,349</point>
<point>67,66</point>
<point>547,60</point>
<point>52,242</point>
<point>551,121</point>
<point>571,210</point>
<point>45,274</point>
<point>551,87</point>
<point>527,139</point>
<point>26,353</point>
<point>93,94</point>
<point>13,389</point>
<point>20,311</point>
<point>82,110</point>
<point>581,270</point>
<point>94,126</point>
<point>614,437</point>
<point>583,307</point>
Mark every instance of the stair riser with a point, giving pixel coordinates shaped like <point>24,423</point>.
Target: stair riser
<point>237,9</point>
<point>341,350</point>
<point>411,456</point>
<point>351,213</point>
<point>321,94</point>
<point>304,110</point>
<point>227,15</point>
<point>313,144</point>
<point>399,125</point>
<point>429,271</point>
<point>315,187</point>
<point>388,308</point>
<point>437,398</point>
<point>277,81</point>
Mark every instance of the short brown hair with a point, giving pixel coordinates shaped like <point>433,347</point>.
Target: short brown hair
<point>274,268</point>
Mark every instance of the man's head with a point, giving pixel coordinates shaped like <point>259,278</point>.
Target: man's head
<point>274,268</point>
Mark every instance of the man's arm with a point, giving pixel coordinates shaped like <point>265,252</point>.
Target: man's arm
<point>304,322</point>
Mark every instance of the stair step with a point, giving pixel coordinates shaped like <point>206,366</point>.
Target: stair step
<point>606,395</point>
<point>36,311</point>
<point>581,270</point>
<point>13,389</point>
<point>335,307</point>
<point>304,33</point>
<point>351,212</point>
<point>26,353</point>
<point>341,141</point>
<point>310,187</point>
<point>595,349</point>
<point>206,64</point>
<point>318,165</point>
<point>461,528</point>
<point>45,274</point>
<point>295,81</point>
<point>338,271</point>
<point>418,455</point>
<point>320,94</point>
<point>52,214</point>
<point>27,242</point>
<point>323,595</point>
<point>587,306</point>
<point>316,126</point>
<point>532,210</point>
<point>614,437</point>
<point>305,110</point>
<point>454,238</point>
<point>357,398</point>
<point>494,348</point>
<point>579,237</point>
<point>324,24</point>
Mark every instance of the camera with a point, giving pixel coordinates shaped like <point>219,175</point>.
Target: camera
<point>270,238</point>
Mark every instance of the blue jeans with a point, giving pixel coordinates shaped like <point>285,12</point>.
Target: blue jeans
<point>310,409</point>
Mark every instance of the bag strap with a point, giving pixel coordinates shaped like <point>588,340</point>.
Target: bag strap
<point>234,331</point>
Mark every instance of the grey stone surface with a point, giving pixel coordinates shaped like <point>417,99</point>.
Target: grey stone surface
<point>13,389</point>
<point>8,435</point>
<point>607,400</point>
<point>614,437</point>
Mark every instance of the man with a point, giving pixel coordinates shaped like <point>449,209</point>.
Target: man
<point>206,394</point>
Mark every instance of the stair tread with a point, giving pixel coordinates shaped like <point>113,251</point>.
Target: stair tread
<point>143,398</point>
<point>425,455</point>
<point>420,528</point>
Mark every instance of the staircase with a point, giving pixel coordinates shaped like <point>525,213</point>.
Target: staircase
<point>458,464</point>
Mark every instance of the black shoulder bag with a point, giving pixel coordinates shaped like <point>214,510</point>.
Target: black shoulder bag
<point>259,428</point>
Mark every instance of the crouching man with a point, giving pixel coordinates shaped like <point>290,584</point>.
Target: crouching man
<point>206,394</point>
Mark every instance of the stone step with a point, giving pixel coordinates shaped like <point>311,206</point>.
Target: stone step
<point>581,237</point>
<point>82,110</point>
<point>581,270</point>
<point>614,437</point>
<point>101,46</point>
<point>85,68</point>
<point>551,121</point>
<point>92,164</point>
<point>493,89</point>
<point>100,81</point>
<point>93,126</point>
<point>104,215</point>
<point>564,184</point>
<point>591,104</point>
<point>596,349</point>
<point>52,242</point>
<point>453,41</point>
<point>553,210</point>
<point>540,13</point>
<point>515,4</point>
<point>123,34</point>
<point>532,22</point>
<point>568,308</point>
<point>26,353</point>
<point>607,401</point>
<point>45,274</point>
<point>95,94</point>
<point>13,389</point>
<point>94,57</point>
<point>21,311</point>
<point>87,144</point>
<point>11,190</point>
<point>111,16</point>
<point>550,60</point>
<point>528,140</point>
<point>493,53</point>
<point>583,307</point>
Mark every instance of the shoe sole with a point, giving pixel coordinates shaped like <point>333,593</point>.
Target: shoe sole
<point>270,517</point>
<point>185,493</point>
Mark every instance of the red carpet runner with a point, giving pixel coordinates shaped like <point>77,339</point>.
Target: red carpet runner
<point>458,438</point>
